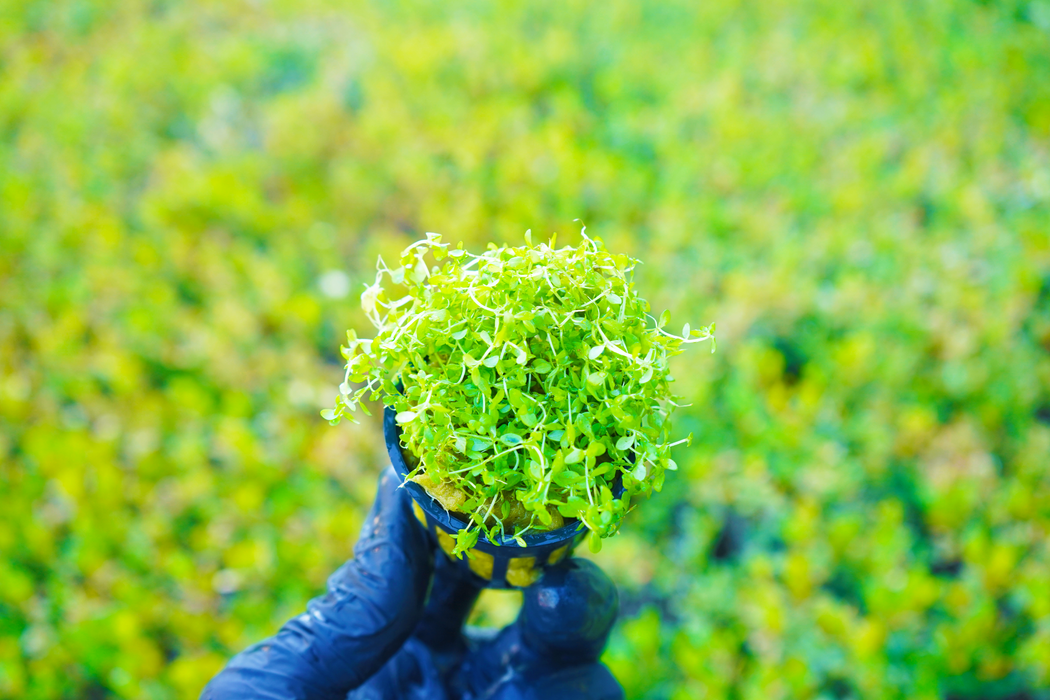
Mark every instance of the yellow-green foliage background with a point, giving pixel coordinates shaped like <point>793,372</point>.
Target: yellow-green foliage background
<point>857,192</point>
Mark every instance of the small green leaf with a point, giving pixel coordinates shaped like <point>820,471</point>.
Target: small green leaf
<point>510,439</point>
<point>406,417</point>
<point>465,541</point>
<point>625,442</point>
<point>595,352</point>
<point>535,470</point>
<point>594,542</point>
<point>665,318</point>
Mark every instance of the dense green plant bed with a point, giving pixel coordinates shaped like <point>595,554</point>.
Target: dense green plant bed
<point>192,194</point>
<point>531,383</point>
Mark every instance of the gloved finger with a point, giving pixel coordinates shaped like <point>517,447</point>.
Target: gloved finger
<point>419,669</point>
<point>453,592</point>
<point>372,605</point>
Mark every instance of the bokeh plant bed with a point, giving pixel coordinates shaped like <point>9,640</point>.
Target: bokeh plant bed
<point>192,195</point>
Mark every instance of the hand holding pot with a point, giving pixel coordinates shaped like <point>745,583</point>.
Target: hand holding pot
<point>377,633</point>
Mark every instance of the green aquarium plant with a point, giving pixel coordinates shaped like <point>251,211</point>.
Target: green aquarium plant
<point>531,384</point>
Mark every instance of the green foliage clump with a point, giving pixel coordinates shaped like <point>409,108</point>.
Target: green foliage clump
<point>527,375</point>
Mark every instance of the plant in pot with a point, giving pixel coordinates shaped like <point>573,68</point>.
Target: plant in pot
<point>527,396</point>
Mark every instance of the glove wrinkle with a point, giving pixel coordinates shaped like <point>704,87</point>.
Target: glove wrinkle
<point>410,675</point>
<point>590,682</point>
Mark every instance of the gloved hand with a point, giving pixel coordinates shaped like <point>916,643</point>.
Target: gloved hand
<point>378,634</point>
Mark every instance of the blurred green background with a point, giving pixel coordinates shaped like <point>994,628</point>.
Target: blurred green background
<point>191,194</point>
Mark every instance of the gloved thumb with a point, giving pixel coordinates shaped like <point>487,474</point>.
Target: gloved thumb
<point>566,617</point>
<point>551,652</point>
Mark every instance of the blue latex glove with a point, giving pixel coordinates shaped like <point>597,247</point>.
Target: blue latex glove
<point>379,634</point>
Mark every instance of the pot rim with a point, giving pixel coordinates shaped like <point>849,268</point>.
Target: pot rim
<point>392,435</point>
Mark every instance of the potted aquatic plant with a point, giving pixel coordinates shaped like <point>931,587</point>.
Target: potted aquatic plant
<point>527,394</point>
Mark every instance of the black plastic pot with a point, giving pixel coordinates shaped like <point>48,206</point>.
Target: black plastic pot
<point>503,564</point>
